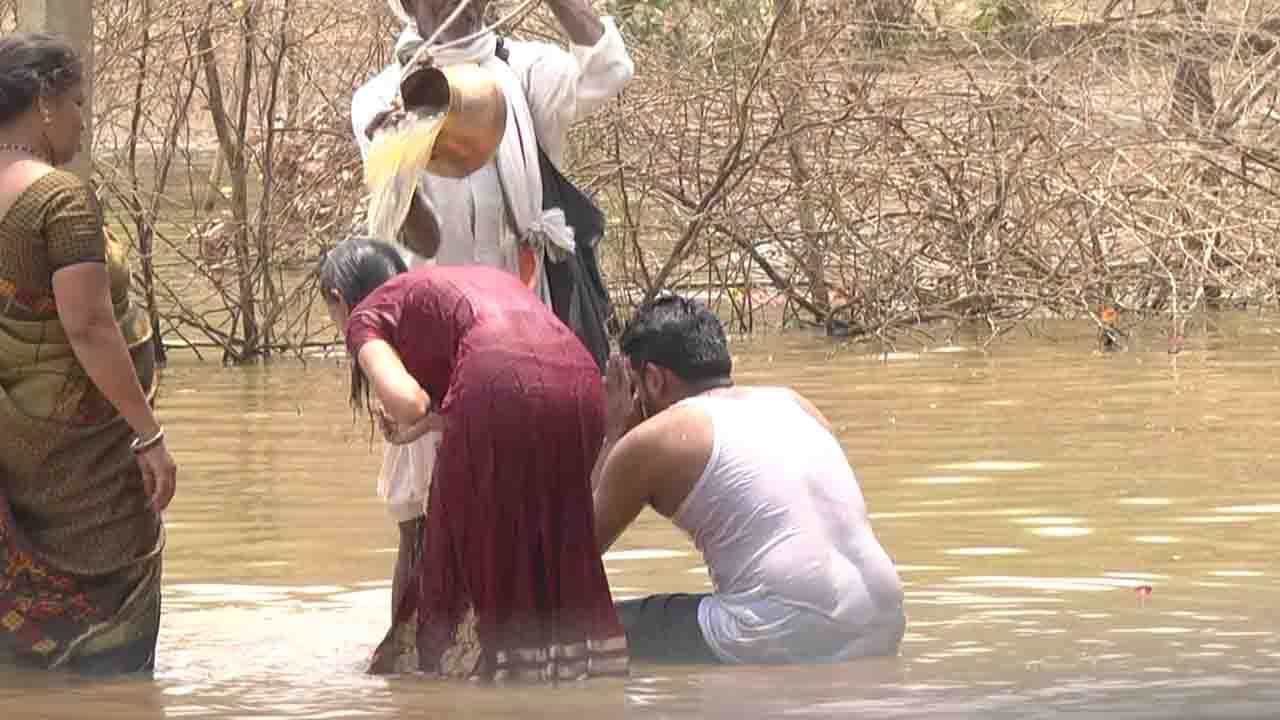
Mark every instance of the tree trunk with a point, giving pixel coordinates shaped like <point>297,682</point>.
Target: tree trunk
<point>791,51</point>
<point>142,223</point>
<point>1193,101</point>
<point>1194,105</point>
<point>277,74</point>
<point>213,189</point>
<point>232,138</point>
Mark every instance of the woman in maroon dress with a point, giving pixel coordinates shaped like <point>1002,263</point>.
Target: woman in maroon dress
<point>508,585</point>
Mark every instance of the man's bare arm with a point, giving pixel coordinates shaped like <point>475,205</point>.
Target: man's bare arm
<point>621,490</point>
<point>597,472</point>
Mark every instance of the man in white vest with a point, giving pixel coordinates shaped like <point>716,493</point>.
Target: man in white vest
<point>486,217</point>
<point>756,478</point>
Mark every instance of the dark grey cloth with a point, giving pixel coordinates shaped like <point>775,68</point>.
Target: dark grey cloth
<point>664,628</point>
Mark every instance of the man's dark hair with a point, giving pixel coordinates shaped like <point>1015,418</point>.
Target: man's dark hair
<point>681,335</point>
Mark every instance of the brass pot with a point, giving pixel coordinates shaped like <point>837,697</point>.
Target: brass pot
<point>475,111</point>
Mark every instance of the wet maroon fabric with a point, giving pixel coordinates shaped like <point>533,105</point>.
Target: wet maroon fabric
<point>509,529</point>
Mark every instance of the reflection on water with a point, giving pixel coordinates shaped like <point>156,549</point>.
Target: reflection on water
<point>1076,532</point>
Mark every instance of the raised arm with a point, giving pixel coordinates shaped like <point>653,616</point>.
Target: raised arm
<point>620,478</point>
<point>622,490</point>
<point>580,22</point>
<point>656,464</point>
<point>563,87</point>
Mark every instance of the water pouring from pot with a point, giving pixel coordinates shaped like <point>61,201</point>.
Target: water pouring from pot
<point>450,123</point>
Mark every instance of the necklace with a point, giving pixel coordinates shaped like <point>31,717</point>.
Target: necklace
<point>18,147</point>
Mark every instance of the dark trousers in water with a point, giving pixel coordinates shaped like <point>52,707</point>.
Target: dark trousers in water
<point>664,628</point>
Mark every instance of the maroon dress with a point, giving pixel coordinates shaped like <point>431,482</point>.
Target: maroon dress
<point>509,585</point>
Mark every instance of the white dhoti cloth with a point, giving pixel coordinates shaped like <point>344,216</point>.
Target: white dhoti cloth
<point>405,478</point>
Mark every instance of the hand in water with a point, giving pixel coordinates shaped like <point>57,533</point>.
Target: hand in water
<point>623,408</point>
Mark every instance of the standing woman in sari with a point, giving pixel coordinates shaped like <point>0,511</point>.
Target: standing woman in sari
<point>84,472</point>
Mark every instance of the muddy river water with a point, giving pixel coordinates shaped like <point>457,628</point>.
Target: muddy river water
<point>1079,535</point>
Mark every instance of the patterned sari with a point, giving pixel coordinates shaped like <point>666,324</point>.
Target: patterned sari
<point>80,546</point>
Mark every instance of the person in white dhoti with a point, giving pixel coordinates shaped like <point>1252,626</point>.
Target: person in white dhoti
<point>488,217</point>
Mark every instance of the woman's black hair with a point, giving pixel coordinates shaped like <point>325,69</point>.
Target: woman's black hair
<point>354,268</point>
<point>34,65</point>
<point>357,266</point>
<point>681,335</point>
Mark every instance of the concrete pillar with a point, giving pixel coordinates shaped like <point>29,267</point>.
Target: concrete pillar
<point>72,19</point>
